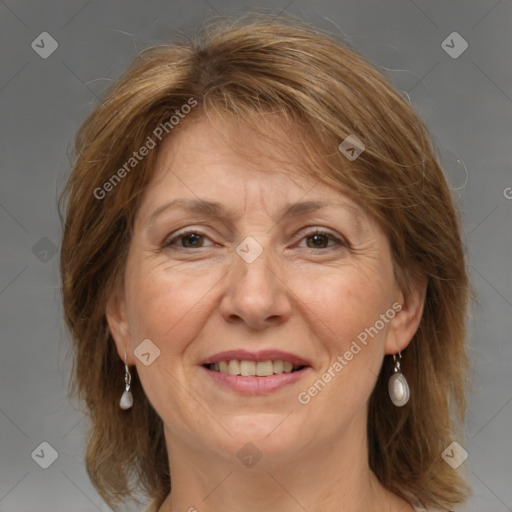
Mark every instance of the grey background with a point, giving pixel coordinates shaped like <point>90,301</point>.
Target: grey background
<point>467,103</point>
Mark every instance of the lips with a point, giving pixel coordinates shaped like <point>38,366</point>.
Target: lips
<point>261,356</point>
<point>255,373</point>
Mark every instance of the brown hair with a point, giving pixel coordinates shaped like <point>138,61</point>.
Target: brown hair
<point>242,69</point>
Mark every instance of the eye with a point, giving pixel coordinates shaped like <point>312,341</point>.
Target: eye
<point>189,239</point>
<point>320,240</point>
<point>192,239</point>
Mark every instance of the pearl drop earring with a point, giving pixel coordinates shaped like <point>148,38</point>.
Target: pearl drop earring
<point>127,397</point>
<point>398,388</point>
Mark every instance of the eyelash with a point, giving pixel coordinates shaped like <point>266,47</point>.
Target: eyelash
<point>170,241</point>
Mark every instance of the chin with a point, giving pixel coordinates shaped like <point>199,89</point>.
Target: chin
<point>261,436</point>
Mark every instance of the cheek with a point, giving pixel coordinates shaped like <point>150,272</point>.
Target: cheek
<point>344,310</point>
<point>163,302</point>
<point>345,302</point>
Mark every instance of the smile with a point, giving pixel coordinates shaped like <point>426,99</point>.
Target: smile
<point>247,368</point>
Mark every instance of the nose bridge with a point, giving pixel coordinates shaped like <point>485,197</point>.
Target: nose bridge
<point>255,291</point>
<point>254,275</point>
<point>253,263</point>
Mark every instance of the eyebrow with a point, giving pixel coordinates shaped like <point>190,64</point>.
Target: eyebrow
<point>215,209</point>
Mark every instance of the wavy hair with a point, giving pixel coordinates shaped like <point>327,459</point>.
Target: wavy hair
<point>243,69</point>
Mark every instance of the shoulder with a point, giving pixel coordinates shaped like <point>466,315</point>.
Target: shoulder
<point>419,508</point>
<point>152,507</point>
<point>423,509</point>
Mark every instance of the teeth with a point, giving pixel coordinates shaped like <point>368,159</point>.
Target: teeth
<point>252,368</point>
<point>278,366</point>
<point>264,368</point>
<point>248,368</point>
<point>234,367</point>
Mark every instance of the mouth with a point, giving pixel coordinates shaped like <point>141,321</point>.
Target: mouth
<point>255,373</point>
<point>247,368</point>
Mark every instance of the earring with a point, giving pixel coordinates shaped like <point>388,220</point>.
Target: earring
<point>398,388</point>
<point>127,398</point>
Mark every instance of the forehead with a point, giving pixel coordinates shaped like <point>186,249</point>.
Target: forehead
<point>232,163</point>
<point>273,146</point>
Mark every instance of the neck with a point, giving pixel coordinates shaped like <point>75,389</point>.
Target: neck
<point>332,477</point>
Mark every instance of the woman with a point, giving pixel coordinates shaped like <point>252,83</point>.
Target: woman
<point>265,284</point>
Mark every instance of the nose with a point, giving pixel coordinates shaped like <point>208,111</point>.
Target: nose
<point>256,293</point>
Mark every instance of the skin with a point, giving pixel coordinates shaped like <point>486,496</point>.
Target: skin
<point>306,295</point>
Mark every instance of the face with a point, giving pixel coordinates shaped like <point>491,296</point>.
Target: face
<point>280,270</point>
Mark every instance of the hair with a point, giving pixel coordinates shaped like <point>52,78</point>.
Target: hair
<point>245,69</point>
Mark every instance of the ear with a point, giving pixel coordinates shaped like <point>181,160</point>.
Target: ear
<point>116,313</point>
<point>407,319</point>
